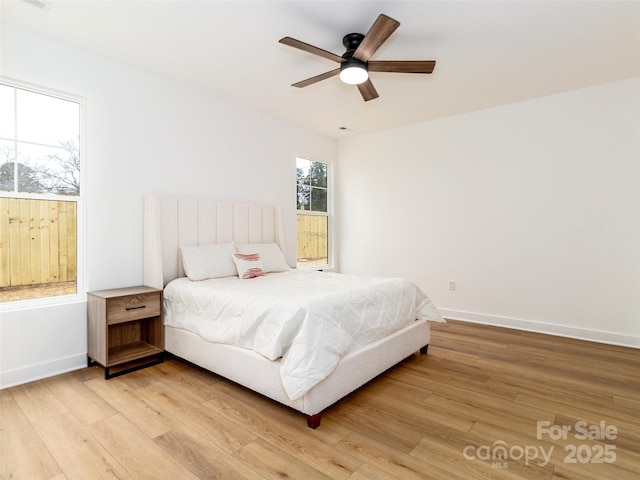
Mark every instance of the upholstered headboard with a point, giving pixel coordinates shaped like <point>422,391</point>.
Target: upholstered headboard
<point>174,222</point>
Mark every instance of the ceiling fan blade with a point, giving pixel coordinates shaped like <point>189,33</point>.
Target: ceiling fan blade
<point>402,66</point>
<point>381,29</point>
<point>317,78</point>
<point>367,90</point>
<point>292,42</point>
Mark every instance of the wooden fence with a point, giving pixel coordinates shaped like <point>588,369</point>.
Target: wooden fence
<point>312,238</point>
<point>38,242</point>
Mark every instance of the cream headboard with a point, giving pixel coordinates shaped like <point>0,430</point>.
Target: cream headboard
<point>174,222</point>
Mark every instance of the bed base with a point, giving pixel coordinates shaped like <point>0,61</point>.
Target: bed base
<point>261,375</point>
<point>313,421</point>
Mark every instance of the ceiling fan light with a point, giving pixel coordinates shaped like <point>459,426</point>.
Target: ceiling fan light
<point>354,74</point>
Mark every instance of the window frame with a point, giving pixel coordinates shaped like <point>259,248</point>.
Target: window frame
<point>329,214</point>
<point>79,200</point>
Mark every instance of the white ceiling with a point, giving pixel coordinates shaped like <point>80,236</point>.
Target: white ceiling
<point>488,53</point>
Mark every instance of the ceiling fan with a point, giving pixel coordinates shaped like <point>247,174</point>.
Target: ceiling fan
<point>355,64</point>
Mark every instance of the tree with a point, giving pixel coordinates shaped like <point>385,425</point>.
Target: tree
<point>303,189</point>
<point>28,179</point>
<point>64,180</point>
<point>60,173</point>
<point>312,187</point>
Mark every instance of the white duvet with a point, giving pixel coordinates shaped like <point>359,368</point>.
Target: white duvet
<point>308,319</point>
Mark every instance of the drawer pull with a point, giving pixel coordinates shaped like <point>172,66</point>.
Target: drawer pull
<point>135,308</point>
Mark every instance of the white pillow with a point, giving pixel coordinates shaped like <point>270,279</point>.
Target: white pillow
<point>270,255</point>
<point>209,261</point>
<point>248,265</point>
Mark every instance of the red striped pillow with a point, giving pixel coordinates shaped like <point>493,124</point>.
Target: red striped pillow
<point>248,265</point>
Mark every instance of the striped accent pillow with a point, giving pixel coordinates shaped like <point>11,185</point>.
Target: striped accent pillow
<point>248,265</point>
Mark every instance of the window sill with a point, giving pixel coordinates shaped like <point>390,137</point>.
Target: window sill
<point>41,302</point>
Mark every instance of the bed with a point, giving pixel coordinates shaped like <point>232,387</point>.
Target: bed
<point>175,225</point>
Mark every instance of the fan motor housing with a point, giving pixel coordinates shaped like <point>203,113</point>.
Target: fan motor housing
<point>351,42</point>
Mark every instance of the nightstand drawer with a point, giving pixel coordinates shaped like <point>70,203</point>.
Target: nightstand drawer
<point>132,307</point>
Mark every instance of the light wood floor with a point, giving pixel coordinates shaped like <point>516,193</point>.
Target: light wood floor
<point>437,416</point>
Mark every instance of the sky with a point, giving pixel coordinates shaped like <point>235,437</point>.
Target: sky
<point>36,125</point>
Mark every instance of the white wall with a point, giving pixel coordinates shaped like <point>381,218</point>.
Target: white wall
<point>532,208</point>
<point>143,135</point>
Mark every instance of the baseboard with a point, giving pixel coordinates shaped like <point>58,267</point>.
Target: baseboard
<point>598,336</point>
<point>39,371</point>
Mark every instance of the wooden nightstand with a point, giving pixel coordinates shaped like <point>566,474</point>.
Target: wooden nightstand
<point>125,327</point>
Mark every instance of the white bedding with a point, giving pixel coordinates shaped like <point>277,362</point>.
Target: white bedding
<point>282,315</point>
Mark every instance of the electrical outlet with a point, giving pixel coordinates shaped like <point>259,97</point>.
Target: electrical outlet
<point>452,285</point>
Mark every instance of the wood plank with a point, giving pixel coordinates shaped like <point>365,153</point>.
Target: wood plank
<point>23,455</point>
<point>139,379</point>
<point>484,435</point>
<point>627,436</point>
<point>592,472</point>
<point>452,459</point>
<point>394,386</point>
<point>5,243</point>
<point>63,241</point>
<point>630,435</point>
<point>621,401</point>
<point>36,401</point>
<point>22,224</point>
<point>78,453</point>
<point>14,241</point>
<point>599,407</point>
<point>330,433</point>
<point>54,240</point>
<point>71,235</point>
<point>225,434</point>
<point>376,424</point>
<point>34,245</point>
<point>507,414</point>
<point>390,461</point>
<point>125,443</point>
<point>367,472</point>
<point>204,459</point>
<point>540,375</point>
<point>45,238</point>
<point>188,380</point>
<point>421,415</point>
<point>398,426</point>
<point>151,421</point>
<point>84,403</point>
<point>447,383</point>
<point>299,442</point>
<point>272,463</point>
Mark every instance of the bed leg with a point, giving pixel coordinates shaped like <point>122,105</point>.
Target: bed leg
<point>313,421</point>
<point>423,350</point>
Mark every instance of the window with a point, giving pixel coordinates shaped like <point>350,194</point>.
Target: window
<point>39,193</point>
<point>313,200</point>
